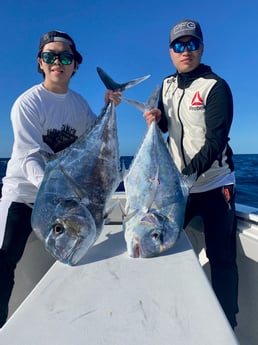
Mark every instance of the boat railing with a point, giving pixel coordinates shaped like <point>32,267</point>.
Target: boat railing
<point>247,226</point>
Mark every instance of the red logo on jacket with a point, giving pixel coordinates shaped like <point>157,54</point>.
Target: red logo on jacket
<point>197,99</point>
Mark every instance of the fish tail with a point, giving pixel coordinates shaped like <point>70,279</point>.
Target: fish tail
<point>112,85</point>
<point>150,104</point>
<point>139,105</point>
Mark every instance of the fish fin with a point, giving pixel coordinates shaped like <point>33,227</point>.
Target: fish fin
<point>109,210</point>
<point>152,100</point>
<point>152,195</point>
<point>187,183</point>
<point>150,104</point>
<point>139,105</point>
<point>112,85</point>
<point>148,200</point>
<point>75,187</point>
<point>122,209</point>
<point>127,217</point>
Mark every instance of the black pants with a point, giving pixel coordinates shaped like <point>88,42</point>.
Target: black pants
<point>17,231</point>
<point>217,209</point>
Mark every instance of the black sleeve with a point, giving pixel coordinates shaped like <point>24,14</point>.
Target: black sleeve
<point>219,115</point>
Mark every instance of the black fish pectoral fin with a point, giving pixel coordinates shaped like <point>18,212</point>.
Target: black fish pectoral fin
<point>112,85</point>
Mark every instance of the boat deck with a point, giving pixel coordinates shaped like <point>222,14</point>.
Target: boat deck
<point>113,299</point>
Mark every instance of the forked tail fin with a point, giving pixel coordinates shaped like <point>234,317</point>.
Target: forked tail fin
<point>112,85</point>
<point>143,107</point>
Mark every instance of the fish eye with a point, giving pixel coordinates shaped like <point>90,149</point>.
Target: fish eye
<point>58,229</point>
<point>155,235</point>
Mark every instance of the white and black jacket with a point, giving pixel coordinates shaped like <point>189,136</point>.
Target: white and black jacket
<point>197,112</point>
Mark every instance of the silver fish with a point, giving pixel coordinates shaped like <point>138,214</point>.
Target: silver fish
<point>71,204</point>
<point>156,195</point>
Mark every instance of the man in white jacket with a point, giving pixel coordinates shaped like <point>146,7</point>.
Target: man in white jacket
<point>196,109</point>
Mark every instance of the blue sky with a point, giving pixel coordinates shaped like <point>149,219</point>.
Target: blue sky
<point>129,39</point>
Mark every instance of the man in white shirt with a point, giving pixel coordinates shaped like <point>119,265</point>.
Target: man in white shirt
<point>48,117</point>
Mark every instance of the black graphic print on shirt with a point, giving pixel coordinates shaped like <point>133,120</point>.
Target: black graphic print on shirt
<point>59,139</point>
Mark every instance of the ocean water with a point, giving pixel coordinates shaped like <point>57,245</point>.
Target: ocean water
<point>246,168</point>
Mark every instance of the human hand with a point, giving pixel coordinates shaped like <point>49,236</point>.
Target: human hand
<point>114,96</point>
<point>152,115</point>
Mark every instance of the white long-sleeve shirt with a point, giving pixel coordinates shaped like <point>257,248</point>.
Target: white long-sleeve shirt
<point>41,120</point>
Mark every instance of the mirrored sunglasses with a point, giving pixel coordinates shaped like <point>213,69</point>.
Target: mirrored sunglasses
<point>64,58</point>
<point>179,46</point>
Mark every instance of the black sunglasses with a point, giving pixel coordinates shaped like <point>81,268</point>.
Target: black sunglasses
<point>64,58</point>
<point>191,45</point>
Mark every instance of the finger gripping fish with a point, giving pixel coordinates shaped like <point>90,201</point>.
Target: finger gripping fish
<point>70,208</point>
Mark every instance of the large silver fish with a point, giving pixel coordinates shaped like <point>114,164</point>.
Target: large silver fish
<point>71,204</point>
<point>156,195</point>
